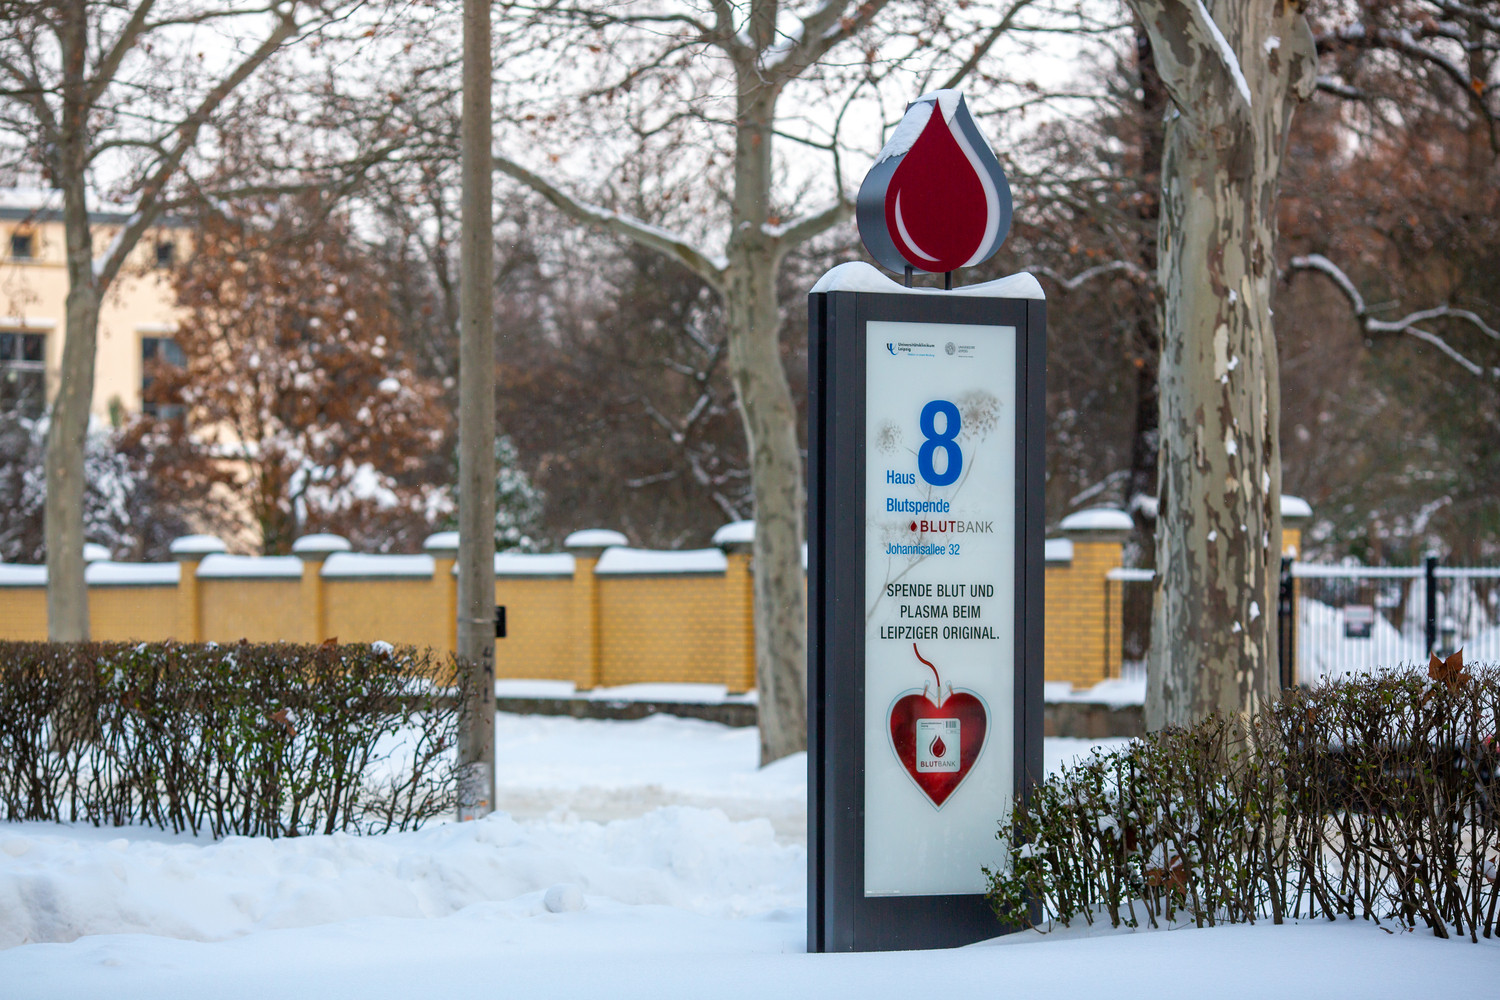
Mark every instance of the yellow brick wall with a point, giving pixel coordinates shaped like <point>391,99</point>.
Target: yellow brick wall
<point>539,629</point>
<point>696,627</point>
<point>404,612</point>
<point>23,614</point>
<point>117,614</point>
<point>738,611</point>
<point>1077,648</point>
<point>668,628</point>
<point>258,610</point>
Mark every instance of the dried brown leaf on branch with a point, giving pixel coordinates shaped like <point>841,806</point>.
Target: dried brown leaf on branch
<point>1450,672</point>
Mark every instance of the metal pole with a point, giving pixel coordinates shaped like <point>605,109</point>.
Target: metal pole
<point>476,431</point>
<point>1286,618</point>
<point>1431,563</point>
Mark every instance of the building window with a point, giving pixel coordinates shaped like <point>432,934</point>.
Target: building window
<point>166,253</point>
<point>155,353</point>
<point>23,373</point>
<point>22,246</point>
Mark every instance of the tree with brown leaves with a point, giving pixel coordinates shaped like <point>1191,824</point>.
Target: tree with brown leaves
<point>295,388</point>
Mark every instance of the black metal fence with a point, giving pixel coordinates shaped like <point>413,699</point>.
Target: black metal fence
<point>1335,620</point>
<point>1355,619</point>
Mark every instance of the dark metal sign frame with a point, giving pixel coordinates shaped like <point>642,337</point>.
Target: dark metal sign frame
<point>840,917</point>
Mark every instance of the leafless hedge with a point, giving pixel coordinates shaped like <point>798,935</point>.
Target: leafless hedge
<point>1374,797</point>
<point>265,740</point>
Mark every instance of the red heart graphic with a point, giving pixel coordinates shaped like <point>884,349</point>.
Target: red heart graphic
<point>918,726</point>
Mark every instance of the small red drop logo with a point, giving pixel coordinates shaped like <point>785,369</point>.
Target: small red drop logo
<point>938,747</point>
<point>936,199</point>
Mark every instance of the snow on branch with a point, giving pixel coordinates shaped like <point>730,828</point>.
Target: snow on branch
<point>706,266</point>
<point>820,30</point>
<point>1406,324</point>
<point>1231,61</point>
<point>1131,270</point>
<point>805,227</point>
<point>1333,85</point>
<point>1191,52</point>
<point>1412,41</point>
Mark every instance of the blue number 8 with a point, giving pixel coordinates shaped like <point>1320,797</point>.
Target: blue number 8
<point>945,441</point>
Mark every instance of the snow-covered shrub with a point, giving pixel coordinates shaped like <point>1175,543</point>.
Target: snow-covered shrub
<point>1374,796</point>
<point>519,503</point>
<point>122,509</point>
<point>252,739</point>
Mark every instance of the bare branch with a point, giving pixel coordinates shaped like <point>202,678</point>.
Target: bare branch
<point>1333,85</point>
<point>663,241</point>
<point>1131,270</point>
<point>800,230</point>
<point>983,48</point>
<point>148,201</point>
<point>1406,324</point>
<point>822,29</point>
<point>110,64</point>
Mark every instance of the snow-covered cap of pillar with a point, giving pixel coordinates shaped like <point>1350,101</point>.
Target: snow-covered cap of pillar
<point>319,546</point>
<point>735,535</point>
<point>594,538</point>
<point>441,544</point>
<point>94,552</point>
<point>1295,511</point>
<point>1098,523</point>
<point>196,546</point>
<point>936,199</point>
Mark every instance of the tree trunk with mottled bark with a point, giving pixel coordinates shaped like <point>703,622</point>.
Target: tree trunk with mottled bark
<point>1235,78</point>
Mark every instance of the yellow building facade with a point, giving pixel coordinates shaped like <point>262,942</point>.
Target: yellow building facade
<point>137,320</point>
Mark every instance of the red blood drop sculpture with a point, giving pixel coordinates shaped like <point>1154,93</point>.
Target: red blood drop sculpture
<point>936,199</point>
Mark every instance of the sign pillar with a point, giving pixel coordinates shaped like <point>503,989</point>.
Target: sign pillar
<point>925,580</point>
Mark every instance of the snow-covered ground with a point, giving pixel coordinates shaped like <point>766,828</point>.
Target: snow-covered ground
<point>633,859</point>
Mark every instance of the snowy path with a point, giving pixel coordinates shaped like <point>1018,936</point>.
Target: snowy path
<point>639,859</point>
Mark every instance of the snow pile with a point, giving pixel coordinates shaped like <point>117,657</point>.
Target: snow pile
<point>57,886</point>
<point>660,903</point>
<point>1116,692</point>
<point>598,769</point>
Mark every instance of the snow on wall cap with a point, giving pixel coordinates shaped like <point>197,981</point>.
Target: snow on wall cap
<point>196,545</point>
<point>355,565</point>
<point>441,541</point>
<point>1098,519</point>
<point>862,276</point>
<point>735,533</point>
<point>224,567</point>
<point>594,538</point>
<point>113,574</point>
<point>1057,550</point>
<point>1295,507</point>
<point>94,552</point>
<point>624,561</point>
<point>320,544</point>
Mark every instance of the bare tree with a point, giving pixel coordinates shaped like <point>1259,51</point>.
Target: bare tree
<point>93,89</point>
<point>759,50</point>
<point>1234,77</point>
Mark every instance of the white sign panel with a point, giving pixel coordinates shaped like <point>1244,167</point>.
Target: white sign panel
<point>940,533</point>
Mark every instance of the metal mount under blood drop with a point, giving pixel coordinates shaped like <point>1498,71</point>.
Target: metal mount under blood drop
<point>936,199</point>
